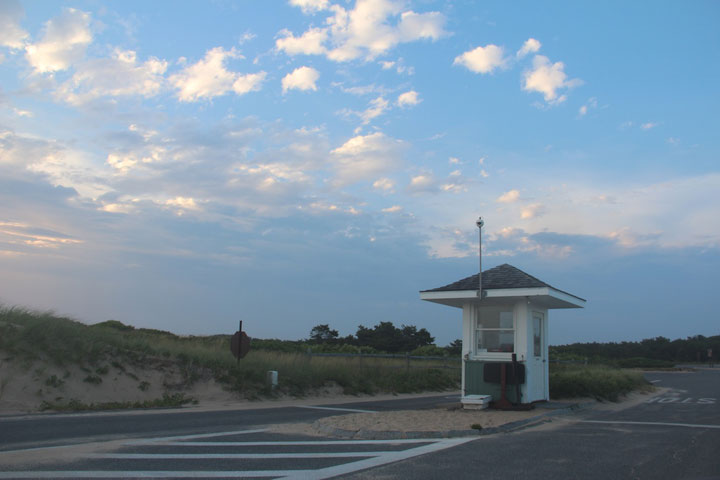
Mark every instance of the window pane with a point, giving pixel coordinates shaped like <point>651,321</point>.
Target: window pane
<point>506,320</point>
<point>537,336</point>
<point>495,340</point>
<point>495,319</point>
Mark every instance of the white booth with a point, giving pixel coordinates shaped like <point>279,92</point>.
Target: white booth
<point>505,333</point>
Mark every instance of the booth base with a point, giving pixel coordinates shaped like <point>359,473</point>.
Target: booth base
<point>476,402</point>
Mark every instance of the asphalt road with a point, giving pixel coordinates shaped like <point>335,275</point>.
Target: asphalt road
<point>62,429</point>
<point>675,434</point>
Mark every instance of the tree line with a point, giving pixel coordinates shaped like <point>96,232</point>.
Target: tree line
<point>690,349</point>
<point>383,337</point>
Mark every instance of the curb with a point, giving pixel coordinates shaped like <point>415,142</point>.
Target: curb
<point>320,427</point>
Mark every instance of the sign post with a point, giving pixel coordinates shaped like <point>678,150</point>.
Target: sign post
<point>240,343</point>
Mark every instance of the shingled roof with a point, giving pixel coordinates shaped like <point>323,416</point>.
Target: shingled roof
<point>500,277</point>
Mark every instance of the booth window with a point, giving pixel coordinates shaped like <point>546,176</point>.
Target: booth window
<point>495,332</point>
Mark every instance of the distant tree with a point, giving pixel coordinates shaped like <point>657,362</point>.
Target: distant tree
<point>454,347</point>
<point>386,337</point>
<point>323,334</point>
<point>414,338</point>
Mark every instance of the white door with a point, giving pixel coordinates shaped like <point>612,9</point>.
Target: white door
<point>538,360</point>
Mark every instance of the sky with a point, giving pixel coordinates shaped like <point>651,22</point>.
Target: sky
<point>185,165</point>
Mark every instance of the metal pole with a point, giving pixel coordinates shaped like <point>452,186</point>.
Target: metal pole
<point>239,340</point>
<point>480,224</point>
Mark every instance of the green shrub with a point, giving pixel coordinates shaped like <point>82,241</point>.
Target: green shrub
<point>429,351</point>
<point>640,362</point>
<point>167,400</point>
<point>94,379</point>
<point>54,381</point>
<point>599,382</point>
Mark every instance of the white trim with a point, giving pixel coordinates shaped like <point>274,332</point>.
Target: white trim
<point>451,297</point>
<point>448,295</point>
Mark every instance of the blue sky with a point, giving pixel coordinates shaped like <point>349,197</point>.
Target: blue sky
<point>184,165</point>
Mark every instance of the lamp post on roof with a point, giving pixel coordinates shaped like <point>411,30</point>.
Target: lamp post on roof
<point>480,224</point>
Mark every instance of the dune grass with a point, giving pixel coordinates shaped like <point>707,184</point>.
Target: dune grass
<point>45,337</point>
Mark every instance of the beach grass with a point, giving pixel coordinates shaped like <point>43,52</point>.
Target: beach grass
<point>48,338</point>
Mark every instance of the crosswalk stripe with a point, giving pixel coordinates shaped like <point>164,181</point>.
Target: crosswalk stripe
<point>357,410</point>
<point>664,424</point>
<point>201,435</point>
<point>155,474</point>
<point>301,443</point>
<point>229,456</point>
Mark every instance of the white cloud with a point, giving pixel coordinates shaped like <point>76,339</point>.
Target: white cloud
<point>119,75</point>
<point>408,99</point>
<point>649,125</point>
<point>393,209</point>
<point>414,26</point>
<point>64,41</point>
<point>384,184</point>
<point>23,113</point>
<point>365,31</point>
<point>530,46</point>
<point>360,89</point>
<point>509,197</point>
<point>399,67</point>
<point>365,157</point>
<point>302,78</point>
<point>482,59</point>
<point>11,35</point>
<point>310,6</point>
<point>209,78</point>
<point>122,163</point>
<point>453,187</point>
<point>422,183</point>
<point>182,203</point>
<point>309,43</point>
<point>118,207</point>
<point>532,211</point>
<point>547,79</point>
<point>591,103</point>
<point>72,169</point>
<point>377,107</point>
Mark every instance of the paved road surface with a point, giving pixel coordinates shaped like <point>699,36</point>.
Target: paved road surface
<point>672,435</point>
<point>675,435</point>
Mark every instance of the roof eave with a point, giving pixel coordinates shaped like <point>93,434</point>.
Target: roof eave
<point>546,296</point>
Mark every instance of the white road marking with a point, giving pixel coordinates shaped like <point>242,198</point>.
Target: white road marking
<point>155,474</point>
<point>202,435</point>
<point>229,456</point>
<point>655,381</point>
<point>664,424</point>
<point>319,442</point>
<point>391,457</point>
<point>336,408</point>
<point>367,459</point>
